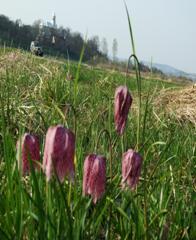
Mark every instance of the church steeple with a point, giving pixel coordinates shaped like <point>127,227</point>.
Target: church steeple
<point>54,20</point>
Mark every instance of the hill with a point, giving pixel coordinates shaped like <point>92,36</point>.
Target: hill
<point>171,71</point>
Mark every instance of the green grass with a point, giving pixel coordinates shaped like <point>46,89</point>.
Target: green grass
<point>35,94</point>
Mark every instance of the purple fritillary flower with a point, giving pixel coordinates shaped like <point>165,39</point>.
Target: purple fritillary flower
<point>28,149</point>
<point>131,168</point>
<point>59,153</point>
<point>122,104</point>
<point>94,177</point>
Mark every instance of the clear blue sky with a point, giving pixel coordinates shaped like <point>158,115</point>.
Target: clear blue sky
<point>163,29</point>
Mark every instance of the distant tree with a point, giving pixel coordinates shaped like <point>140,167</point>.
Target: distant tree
<point>96,41</point>
<point>92,48</point>
<point>18,22</point>
<point>37,28</point>
<point>104,47</point>
<point>114,49</point>
<point>37,23</point>
<point>61,31</point>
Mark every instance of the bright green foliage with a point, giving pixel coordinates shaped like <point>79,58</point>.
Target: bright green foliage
<point>36,93</point>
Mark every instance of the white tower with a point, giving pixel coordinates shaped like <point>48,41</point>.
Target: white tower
<point>54,20</point>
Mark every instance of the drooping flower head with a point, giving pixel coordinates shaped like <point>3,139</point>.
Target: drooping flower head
<point>28,150</point>
<point>94,176</point>
<point>131,168</point>
<point>59,153</point>
<point>122,104</point>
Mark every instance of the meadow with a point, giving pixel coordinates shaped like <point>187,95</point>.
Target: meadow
<point>36,93</point>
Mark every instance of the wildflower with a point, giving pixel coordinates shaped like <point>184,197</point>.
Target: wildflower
<point>131,168</point>
<point>59,153</point>
<point>28,149</point>
<point>122,104</point>
<point>94,177</point>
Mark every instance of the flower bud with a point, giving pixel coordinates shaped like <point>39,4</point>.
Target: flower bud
<point>122,104</point>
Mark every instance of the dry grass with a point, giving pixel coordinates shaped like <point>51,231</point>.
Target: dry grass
<point>19,60</point>
<point>179,103</point>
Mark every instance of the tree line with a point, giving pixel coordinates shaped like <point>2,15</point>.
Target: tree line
<point>55,41</point>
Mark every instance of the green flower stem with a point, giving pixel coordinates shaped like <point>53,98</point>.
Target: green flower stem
<point>138,79</point>
<point>105,131</point>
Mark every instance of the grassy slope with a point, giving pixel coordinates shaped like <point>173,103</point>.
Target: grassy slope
<point>35,94</point>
